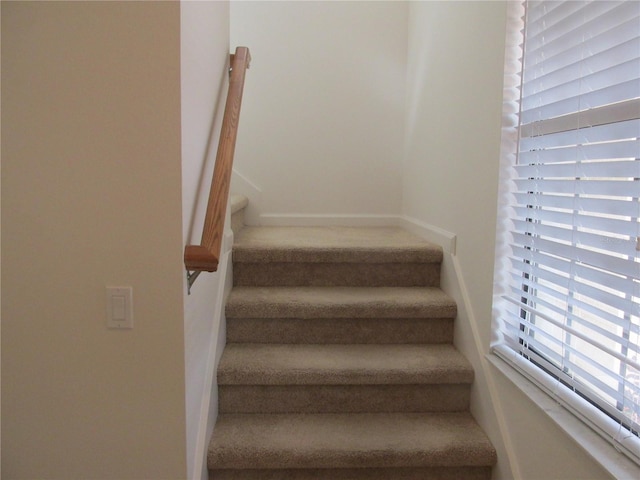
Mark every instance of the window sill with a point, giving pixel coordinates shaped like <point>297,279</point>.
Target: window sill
<point>615,463</point>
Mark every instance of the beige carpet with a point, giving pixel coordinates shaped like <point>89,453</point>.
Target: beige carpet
<point>339,361</point>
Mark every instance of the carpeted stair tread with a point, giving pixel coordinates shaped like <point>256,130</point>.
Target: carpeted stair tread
<point>339,302</point>
<point>336,274</point>
<point>340,362</point>
<point>333,244</point>
<point>287,441</point>
<point>290,364</point>
<point>353,398</point>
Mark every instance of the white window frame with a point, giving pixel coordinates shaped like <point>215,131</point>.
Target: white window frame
<point>552,386</point>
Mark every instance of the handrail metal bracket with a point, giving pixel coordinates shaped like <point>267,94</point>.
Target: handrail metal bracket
<point>191,278</point>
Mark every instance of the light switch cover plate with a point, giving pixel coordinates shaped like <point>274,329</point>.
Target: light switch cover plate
<point>119,307</point>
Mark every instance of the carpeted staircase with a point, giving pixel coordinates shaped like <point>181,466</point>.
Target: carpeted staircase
<point>339,361</point>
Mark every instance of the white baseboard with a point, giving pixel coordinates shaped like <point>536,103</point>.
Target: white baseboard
<point>321,220</point>
<point>437,235</point>
<point>457,288</point>
<point>242,185</point>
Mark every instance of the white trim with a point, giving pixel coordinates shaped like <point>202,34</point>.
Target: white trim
<point>240,184</point>
<point>247,183</point>
<point>445,239</point>
<point>200,470</point>
<point>458,290</point>
<point>320,220</point>
<point>496,401</point>
<point>615,463</point>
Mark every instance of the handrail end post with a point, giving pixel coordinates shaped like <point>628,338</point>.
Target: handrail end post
<point>198,259</point>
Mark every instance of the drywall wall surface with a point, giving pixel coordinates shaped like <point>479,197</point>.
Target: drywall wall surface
<point>544,451</point>
<point>450,180</point>
<point>91,198</point>
<point>204,65</point>
<point>321,131</point>
<point>453,129</point>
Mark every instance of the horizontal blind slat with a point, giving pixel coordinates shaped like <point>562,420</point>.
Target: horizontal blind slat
<point>604,318</point>
<point>620,247</point>
<point>521,254</point>
<point>593,99</point>
<point>609,188</point>
<point>605,28</point>
<point>575,332</point>
<point>623,169</point>
<point>561,10</point>
<point>572,204</point>
<point>613,264</point>
<point>607,69</point>
<point>618,226</point>
<point>554,62</point>
<point>595,302</point>
<point>603,115</point>
<point>628,129</point>
<point>621,149</point>
<point>551,285</point>
<point>563,63</point>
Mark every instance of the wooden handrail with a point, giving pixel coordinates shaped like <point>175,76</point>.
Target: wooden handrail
<point>205,257</point>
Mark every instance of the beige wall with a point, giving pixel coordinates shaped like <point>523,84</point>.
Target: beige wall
<point>91,198</point>
<point>450,181</point>
<point>321,132</point>
<point>204,80</point>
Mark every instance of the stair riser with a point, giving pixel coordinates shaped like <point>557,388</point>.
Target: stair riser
<point>343,398</point>
<point>434,473</point>
<point>336,274</point>
<point>337,310</point>
<point>340,331</point>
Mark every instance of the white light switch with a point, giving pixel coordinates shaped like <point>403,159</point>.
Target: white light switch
<point>119,307</point>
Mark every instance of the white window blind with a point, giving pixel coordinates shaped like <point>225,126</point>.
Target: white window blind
<point>568,308</point>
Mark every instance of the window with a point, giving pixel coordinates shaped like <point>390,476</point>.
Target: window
<point>568,285</point>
